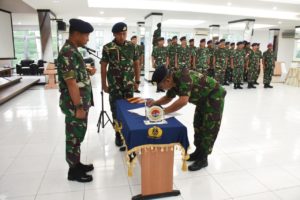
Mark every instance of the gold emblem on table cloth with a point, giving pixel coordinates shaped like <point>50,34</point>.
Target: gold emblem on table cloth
<point>118,126</point>
<point>155,132</point>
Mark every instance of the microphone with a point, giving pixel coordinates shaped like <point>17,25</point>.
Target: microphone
<point>89,49</point>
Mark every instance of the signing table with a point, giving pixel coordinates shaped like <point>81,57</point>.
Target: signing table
<point>293,77</point>
<point>156,144</point>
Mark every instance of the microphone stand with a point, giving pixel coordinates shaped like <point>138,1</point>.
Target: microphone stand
<point>101,121</point>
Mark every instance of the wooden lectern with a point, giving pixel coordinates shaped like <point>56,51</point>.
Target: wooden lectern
<point>51,72</point>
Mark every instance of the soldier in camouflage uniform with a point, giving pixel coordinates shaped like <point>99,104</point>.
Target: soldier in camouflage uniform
<point>202,58</point>
<point>212,60</point>
<point>172,53</point>
<point>194,49</point>
<point>207,95</point>
<point>228,71</point>
<point>133,40</point>
<point>184,56</point>
<point>237,64</point>
<point>260,55</point>
<point>159,57</point>
<point>221,63</point>
<point>269,64</point>
<point>253,65</point>
<point>156,34</point>
<point>120,67</point>
<point>75,96</point>
<point>247,50</point>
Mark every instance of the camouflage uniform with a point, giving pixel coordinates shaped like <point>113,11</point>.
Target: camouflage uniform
<point>260,55</point>
<point>221,64</point>
<point>211,70</point>
<point>171,54</point>
<point>238,63</point>
<point>228,73</point>
<point>194,52</point>
<point>160,56</point>
<point>202,56</point>
<point>70,65</point>
<point>269,61</point>
<point>247,52</point>
<point>253,66</point>
<point>120,73</point>
<point>184,56</point>
<point>208,96</point>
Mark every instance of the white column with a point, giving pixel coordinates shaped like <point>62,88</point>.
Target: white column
<point>151,22</point>
<point>274,39</point>
<point>214,32</point>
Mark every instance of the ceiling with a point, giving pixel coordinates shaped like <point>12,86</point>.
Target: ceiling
<point>283,14</point>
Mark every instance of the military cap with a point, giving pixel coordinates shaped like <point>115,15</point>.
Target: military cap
<point>254,44</point>
<point>222,40</point>
<point>270,45</point>
<point>191,40</point>
<point>217,43</point>
<point>231,44</point>
<point>204,40</point>
<point>133,37</point>
<point>174,37</point>
<point>158,25</point>
<point>119,27</point>
<point>182,38</point>
<point>80,26</point>
<point>160,38</point>
<point>169,40</point>
<point>227,43</point>
<point>239,43</point>
<point>258,44</point>
<point>159,74</point>
<point>209,41</point>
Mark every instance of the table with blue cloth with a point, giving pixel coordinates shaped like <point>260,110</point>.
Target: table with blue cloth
<point>156,144</point>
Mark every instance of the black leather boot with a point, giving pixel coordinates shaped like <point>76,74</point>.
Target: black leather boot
<point>266,86</point>
<point>86,168</point>
<point>194,155</point>
<point>239,86</point>
<point>77,174</point>
<point>235,86</point>
<point>198,164</point>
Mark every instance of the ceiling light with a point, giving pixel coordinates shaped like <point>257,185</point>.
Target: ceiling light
<point>182,22</point>
<point>279,22</point>
<point>101,12</point>
<point>102,20</point>
<point>56,1</point>
<point>193,7</point>
<point>229,4</point>
<point>241,26</point>
<point>274,8</point>
<point>284,1</point>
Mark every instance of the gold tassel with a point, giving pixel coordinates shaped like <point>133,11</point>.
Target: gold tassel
<point>184,166</point>
<point>130,171</point>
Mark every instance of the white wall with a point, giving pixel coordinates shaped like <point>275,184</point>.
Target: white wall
<point>286,50</point>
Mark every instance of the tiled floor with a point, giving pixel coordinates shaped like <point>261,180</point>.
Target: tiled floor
<point>256,156</point>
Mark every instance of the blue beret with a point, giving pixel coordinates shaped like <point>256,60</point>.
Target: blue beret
<point>119,27</point>
<point>80,26</point>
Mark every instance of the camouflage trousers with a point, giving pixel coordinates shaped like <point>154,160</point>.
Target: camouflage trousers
<point>252,74</point>
<point>202,70</point>
<point>115,95</point>
<point>220,74</point>
<point>75,132</point>
<point>238,73</point>
<point>228,74</point>
<point>257,73</point>
<point>207,121</point>
<point>268,73</point>
<point>211,72</point>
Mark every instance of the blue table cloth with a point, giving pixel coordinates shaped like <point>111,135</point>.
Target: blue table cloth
<point>135,132</point>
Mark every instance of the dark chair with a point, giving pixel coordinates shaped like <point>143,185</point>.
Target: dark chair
<point>40,67</point>
<point>25,67</point>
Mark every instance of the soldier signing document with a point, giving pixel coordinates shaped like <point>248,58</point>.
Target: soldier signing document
<point>204,92</point>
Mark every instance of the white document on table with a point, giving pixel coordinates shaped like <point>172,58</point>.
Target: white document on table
<point>142,112</point>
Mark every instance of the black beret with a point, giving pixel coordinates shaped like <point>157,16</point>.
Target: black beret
<point>158,25</point>
<point>227,43</point>
<point>232,44</point>
<point>217,43</point>
<point>174,37</point>
<point>80,26</point>
<point>133,37</point>
<point>159,74</point>
<point>222,40</point>
<point>239,43</point>
<point>258,44</point>
<point>119,27</point>
<point>182,38</point>
<point>160,38</point>
<point>254,44</point>
<point>204,40</point>
<point>191,40</point>
<point>169,40</point>
<point>209,41</point>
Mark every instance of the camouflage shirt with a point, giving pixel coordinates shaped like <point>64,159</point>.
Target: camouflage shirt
<point>211,55</point>
<point>221,56</point>
<point>239,57</point>
<point>269,58</point>
<point>172,53</point>
<point>120,59</point>
<point>253,59</point>
<point>202,56</point>
<point>160,55</point>
<point>194,85</point>
<point>184,56</point>
<point>70,65</point>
